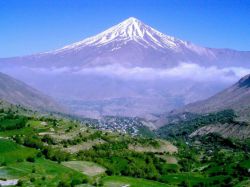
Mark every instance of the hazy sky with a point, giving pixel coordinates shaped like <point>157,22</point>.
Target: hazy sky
<point>31,26</point>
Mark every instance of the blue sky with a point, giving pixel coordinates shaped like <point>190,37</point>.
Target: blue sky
<point>28,27</point>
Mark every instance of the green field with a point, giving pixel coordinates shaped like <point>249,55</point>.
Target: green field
<point>88,168</point>
<point>22,131</point>
<point>11,152</point>
<point>190,178</point>
<point>117,181</point>
<point>43,172</point>
<point>37,154</point>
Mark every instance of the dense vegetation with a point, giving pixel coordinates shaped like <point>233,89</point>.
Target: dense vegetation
<point>47,151</point>
<point>186,127</point>
<point>119,160</point>
<point>10,120</point>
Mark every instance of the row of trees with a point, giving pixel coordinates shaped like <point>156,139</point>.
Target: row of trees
<point>48,151</point>
<point>12,122</point>
<point>119,160</point>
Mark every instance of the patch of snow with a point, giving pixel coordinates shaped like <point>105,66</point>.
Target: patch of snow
<point>133,29</point>
<point>130,29</point>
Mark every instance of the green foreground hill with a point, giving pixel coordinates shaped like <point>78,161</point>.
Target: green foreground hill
<point>37,150</point>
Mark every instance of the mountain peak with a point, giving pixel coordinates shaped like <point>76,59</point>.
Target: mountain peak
<point>132,24</point>
<point>128,30</point>
<point>132,20</point>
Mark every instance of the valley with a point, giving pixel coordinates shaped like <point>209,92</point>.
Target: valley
<point>91,96</point>
<point>58,151</point>
<point>187,148</point>
<point>129,69</point>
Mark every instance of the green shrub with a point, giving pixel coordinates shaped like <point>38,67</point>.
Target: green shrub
<point>75,182</point>
<point>30,159</point>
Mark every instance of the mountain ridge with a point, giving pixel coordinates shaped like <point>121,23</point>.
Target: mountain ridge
<point>127,35</point>
<point>133,28</point>
<point>236,97</point>
<point>17,92</point>
<point>129,63</point>
<point>129,29</point>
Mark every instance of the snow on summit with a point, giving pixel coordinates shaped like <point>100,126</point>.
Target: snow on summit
<point>134,43</point>
<point>130,29</point>
<point>130,69</point>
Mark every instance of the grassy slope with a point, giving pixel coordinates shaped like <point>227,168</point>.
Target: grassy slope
<point>11,152</point>
<point>52,171</point>
<point>117,181</point>
<point>88,168</point>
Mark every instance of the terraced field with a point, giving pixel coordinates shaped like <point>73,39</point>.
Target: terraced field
<point>164,147</point>
<point>90,169</point>
<point>50,151</point>
<point>117,181</point>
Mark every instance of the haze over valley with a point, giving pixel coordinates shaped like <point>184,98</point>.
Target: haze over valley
<point>129,70</point>
<point>131,106</point>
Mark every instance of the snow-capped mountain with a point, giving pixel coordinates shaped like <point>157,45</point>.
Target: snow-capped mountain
<point>133,29</point>
<point>133,43</point>
<point>129,69</point>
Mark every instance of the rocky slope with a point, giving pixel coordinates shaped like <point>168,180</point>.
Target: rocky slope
<point>236,97</point>
<point>201,118</point>
<point>19,93</point>
<point>240,131</point>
